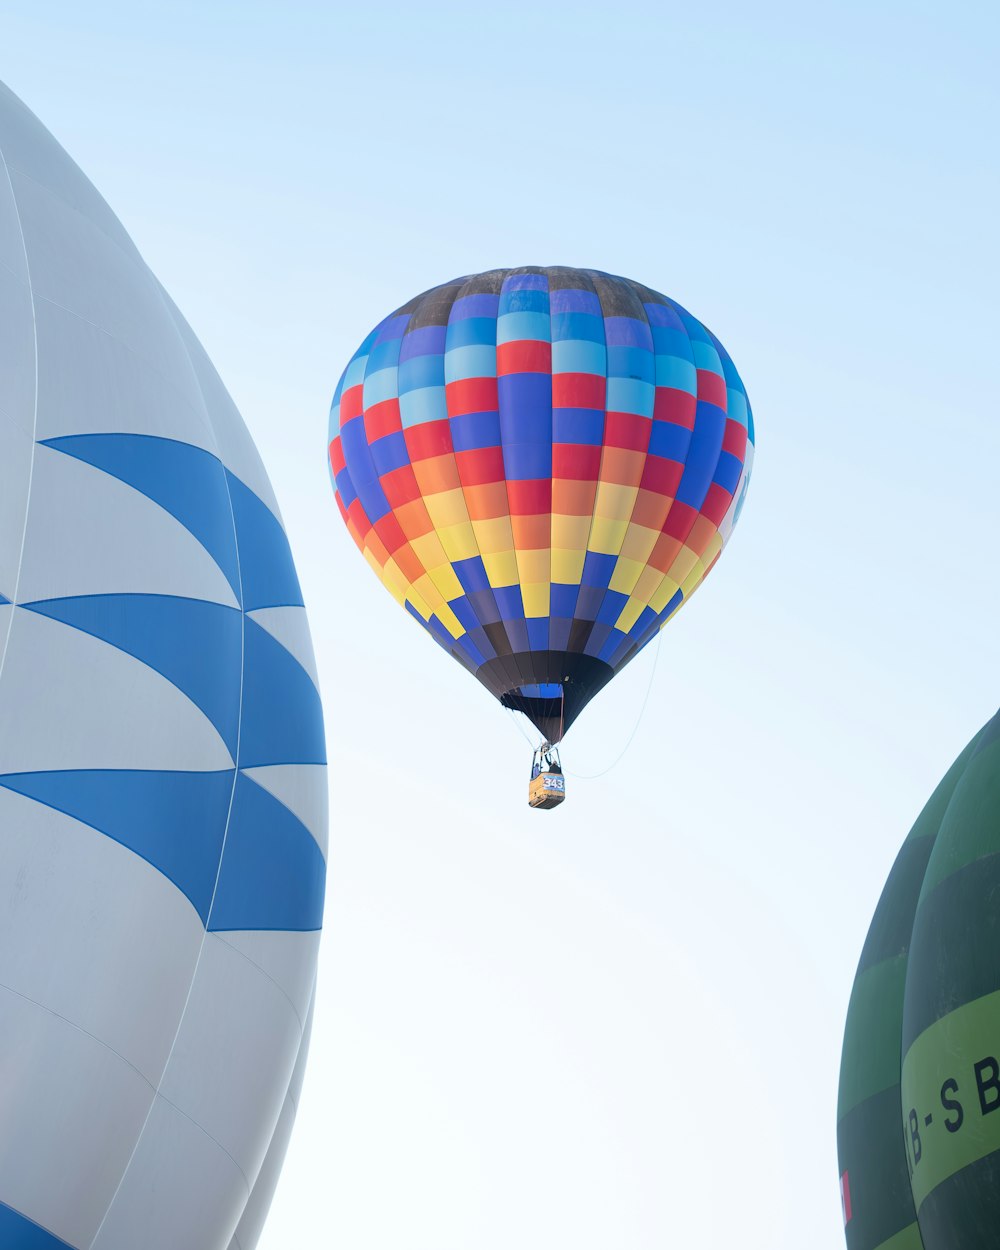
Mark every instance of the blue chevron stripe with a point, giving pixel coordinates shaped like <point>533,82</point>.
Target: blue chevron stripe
<point>175,821</point>
<point>269,578</point>
<point>186,481</point>
<point>273,873</point>
<point>17,1232</point>
<point>194,644</point>
<point>282,715</point>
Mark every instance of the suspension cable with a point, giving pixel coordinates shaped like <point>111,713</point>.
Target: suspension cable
<point>515,716</point>
<point>520,728</point>
<point>635,728</point>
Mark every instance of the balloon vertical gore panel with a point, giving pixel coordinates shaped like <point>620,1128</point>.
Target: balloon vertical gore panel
<point>162,759</point>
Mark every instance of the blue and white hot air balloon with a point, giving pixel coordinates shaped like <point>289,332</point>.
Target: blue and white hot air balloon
<point>162,780</point>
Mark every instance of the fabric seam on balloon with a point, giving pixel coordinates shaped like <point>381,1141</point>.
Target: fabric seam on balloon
<point>34,444</point>
<point>201,949</point>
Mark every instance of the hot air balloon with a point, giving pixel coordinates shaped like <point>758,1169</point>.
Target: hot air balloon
<point>541,465</point>
<point>918,1140</point>
<point>162,780</point>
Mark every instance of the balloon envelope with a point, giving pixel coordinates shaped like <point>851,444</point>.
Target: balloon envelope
<point>162,781</point>
<point>918,1141</point>
<point>542,465</point>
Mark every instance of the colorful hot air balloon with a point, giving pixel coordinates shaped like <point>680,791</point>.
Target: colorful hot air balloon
<point>162,780</point>
<point>917,1131</point>
<point>541,464</point>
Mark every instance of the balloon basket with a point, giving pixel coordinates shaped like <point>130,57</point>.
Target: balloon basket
<point>547,787</point>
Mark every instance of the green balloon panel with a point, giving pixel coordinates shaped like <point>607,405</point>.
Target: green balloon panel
<point>918,1140</point>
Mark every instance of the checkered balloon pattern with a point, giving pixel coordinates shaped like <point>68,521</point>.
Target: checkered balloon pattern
<point>541,465</point>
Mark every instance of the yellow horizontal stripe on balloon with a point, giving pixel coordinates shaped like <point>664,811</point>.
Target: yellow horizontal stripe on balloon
<point>430,595</point>
<point>446,580</point>
<point>662,595</point>
<point>626,574</point>
<point>373,560</point>
<point>713,549</point>
<point>501,568</point>
<point>436,605</point>
<point>451,622</point>
<point>694,579</point>
<point>418,603</point>
<point>646,586</point>
<point>495,536</point>
<point>647,583</point>
<point>533,566</point>
<point>567,565</point>
<point>535,597</point>
<point>614,501</point>
<point>459,541</point>
<point>570,533</point>
<point>639,543</point>
<point>396,582</point>
<point>697,574</point>
<point>487,534</point>
<point>683,563</point>
<point>446,508</point>
<point>629,614</point>
<point>424,586</point>
<point>607,535</point>
<point>686,571</point>
<point>428,550</point>
<point>419,606</point>
<point>534,561</point>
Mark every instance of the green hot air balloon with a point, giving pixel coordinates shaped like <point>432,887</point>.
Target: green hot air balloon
<point>917,1134</point>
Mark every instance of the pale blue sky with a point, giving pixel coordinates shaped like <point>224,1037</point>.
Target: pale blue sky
<point>618,1025</point>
